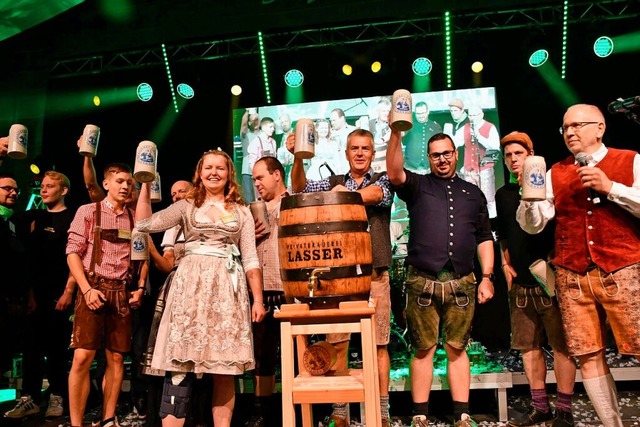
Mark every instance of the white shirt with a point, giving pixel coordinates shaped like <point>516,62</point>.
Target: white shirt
<point>534,216</point>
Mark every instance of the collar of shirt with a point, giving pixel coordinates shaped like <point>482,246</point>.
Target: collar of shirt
<point>597,155</point>
<point>349,180</point>
<point>5,212</point>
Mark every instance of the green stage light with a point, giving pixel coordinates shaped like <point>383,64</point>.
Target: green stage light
<point>185,91</point>
<point>421,66</point>
<point>294,78</point>
<point>145,92</point>
<point>538,58</point>
<point>603,47</point>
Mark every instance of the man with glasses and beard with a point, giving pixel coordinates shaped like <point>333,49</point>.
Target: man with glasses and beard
<point>448,220</point>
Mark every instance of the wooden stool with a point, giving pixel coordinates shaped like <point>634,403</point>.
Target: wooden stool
<point>357,385</point>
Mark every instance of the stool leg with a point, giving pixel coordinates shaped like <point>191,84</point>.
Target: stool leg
<point>307,415</point>
<point>286,354</point>
<point>302,344</point>
<point>370,373</point>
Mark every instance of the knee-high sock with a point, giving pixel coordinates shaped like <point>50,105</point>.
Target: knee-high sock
<point>603,395</point>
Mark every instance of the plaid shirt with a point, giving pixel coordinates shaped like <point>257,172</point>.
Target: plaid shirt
<point>115,256</point>
<point>268,254</point>
<point>352,185</point>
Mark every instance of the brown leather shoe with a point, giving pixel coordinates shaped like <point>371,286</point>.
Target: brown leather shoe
<point>532,418</point>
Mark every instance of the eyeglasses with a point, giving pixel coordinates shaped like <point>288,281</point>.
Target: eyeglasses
<point>9,189</point>
<point>575,126</point>
<point>445,154</point>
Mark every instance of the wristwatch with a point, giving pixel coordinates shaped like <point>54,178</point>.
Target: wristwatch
<point>490,276</point>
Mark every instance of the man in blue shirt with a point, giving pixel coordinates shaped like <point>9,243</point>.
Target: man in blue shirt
<point>449,221</point>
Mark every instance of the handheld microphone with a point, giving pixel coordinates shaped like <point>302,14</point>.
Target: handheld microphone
<point>583,160</point>
<point>624,105</point>
<point>329,168</point>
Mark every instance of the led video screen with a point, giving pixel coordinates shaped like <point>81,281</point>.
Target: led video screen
<point>469,116</point>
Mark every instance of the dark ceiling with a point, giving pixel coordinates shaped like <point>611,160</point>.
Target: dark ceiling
<point>99,26</point>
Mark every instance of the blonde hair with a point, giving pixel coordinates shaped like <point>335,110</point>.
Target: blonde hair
<point>60,177</point>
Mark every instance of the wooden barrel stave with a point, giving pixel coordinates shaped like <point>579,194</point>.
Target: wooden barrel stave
<point>333,235</point>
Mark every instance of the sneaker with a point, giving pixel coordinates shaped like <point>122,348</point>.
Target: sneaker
<point>25,406</point>
<point>419,421</point>
<point>465,421</point>
<point>55,408</point>
<point>563,419</point>
<point>337,421</point>
<point>532,418</point>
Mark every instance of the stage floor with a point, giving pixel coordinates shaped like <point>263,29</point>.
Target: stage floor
<point>483,402</point>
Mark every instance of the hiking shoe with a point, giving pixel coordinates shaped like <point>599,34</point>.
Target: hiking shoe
<point>24,406</point>
<point>465,421</point>
<point>532,418</point>
<point>419,421</point>
<point>563,419</point>
<point>55,408</point>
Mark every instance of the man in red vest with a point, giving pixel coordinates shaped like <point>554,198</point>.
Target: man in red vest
<point>594,196</point>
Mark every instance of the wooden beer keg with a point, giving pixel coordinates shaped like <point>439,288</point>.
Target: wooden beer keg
<point>327,230</point>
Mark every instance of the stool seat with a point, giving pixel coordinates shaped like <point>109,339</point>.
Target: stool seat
<point>355,385</point>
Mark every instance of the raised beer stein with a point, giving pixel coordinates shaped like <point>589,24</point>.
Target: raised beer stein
<point>401,118</point>
<point>534,171</point>
<point>89,142</point>
<point>305,141</point>
<point>18,141</point>
<point>146,162</point>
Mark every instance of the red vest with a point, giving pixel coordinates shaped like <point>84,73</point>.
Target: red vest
<point>474,152</point>
<point>603,234</point>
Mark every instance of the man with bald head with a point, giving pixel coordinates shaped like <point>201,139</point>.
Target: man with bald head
<point>594,196</point>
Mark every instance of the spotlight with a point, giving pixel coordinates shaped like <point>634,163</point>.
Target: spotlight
<point>294,78</point>
<point>145,92</point>
<point>34,169</point>
<point>376,66</point>
<point>477,67</point>
<point>96,101</point>
<point>236,90</point>
<point>603,47</point>
<point>347,70</point>
<point>538,58</point>
<point>421,66</point>
<point>185,91</point>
